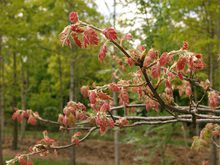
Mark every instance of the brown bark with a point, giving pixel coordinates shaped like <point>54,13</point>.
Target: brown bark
<point>115,98</point>
<point>61,81</point>
<point>210,32</point>
<point>23,98</point>
<point>1,104</point>
<point>218,37</point>
<point>71,98</point>
<point>15,129</point>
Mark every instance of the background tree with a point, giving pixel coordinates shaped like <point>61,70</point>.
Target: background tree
<point>26,36</point>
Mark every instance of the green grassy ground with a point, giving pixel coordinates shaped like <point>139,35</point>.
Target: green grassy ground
<point>48,162</point>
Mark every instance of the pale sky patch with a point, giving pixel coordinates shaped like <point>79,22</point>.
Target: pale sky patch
<point>128,12</point>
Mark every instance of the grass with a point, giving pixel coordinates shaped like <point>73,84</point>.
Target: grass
<point>48,162</point>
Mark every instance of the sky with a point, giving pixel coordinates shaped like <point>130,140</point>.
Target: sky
<point>105,7</point>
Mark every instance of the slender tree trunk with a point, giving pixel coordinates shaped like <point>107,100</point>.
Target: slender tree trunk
<point>15,130</point>
<point>3,99</point>
<point>211,68</point>
<point>61,81</point>
<point>71,92</point>
<point>218,36</point>
<point>210,32</point>
<point>71,98</point>
<point>23,99</point>
<point>115,98</point>
<point>116,134</point>
<point>214,156</point>
<point>1,103</point>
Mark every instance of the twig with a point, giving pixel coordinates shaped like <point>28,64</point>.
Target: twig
<point>72,144</point>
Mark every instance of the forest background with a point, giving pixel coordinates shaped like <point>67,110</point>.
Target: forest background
<point>37,73</point>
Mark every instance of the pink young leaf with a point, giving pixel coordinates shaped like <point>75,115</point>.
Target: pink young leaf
<point>90,37</point>
<point>76,40</point>
<point>73,17</point>
<point>84,90</point>
<point>181,63</point>
<point>110,33</point>
<point>185,45</point>
<point>163,59</point>
<point>102,53</point>
<point>130,61</point>
<point>92,97</point>
<point>147,61</point>
<point>152,53</point>
<point>155,71</point>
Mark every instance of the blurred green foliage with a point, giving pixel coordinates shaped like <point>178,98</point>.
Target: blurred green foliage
<point>30,29</point>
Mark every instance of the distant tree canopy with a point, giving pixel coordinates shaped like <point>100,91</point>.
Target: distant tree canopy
<point>30,29</point>
<point>165,24</point>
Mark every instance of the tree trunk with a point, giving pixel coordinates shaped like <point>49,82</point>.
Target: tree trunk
<point>210,32</point>
<point>23,99</point>
<point>115,98</point>
<point>61,81</point>
<point>116,134</point>
<point>15,130</point>
<point>214,156</point>
<point>1,104</point>
<point>218,36</point>
<point>71,98</point>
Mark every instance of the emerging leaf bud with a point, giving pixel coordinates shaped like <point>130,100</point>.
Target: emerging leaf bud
<point>102,53</point>
<point>84,91</point>
<point>73,17</point>
<point>110,33</point>
<point>185,45</point>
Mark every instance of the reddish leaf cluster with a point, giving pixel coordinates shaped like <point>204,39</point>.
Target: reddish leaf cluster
<point>164,59</point>
<point>168,91</point>
<point>155,71</point>
<point>71,113</point>
<point>130,61</point>
<point>20,115</point>
<point>213,99</point>
<point>151,56</point>
<point>128,36</point>
<point>84,91</point>
<point>185,45</point>
<point>151,104</point>
<point>153,53</point>
<point>103,122</point>
<point>185,88</point>
<point>123,97</point>
<point>193,61</point>
<point>25,161</point>
<point>181,63</point>
<point>92,97</point>
<point>77,40</point>
<point>114,87</point>
<point>102,53</point>
<point>46,140</point>
<point>110,33</point>
<point>99,101</point>
<point>122,121</point>
<point>80,35</point>
<point>85,36</point>
<point>75,138</point>
<point>90,37</point>
<point>73,17</point>
<point>64,36</point>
